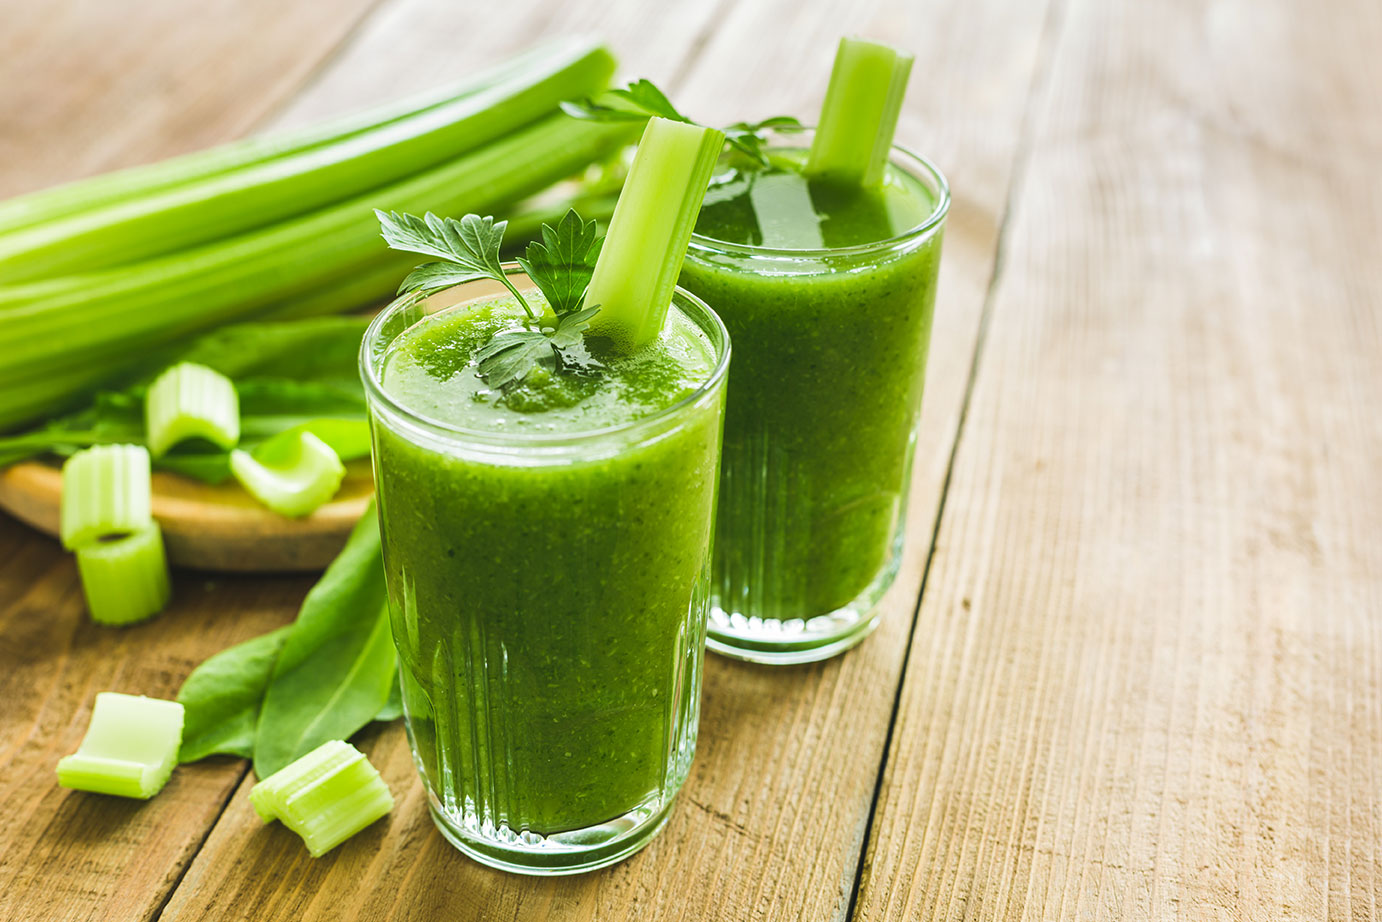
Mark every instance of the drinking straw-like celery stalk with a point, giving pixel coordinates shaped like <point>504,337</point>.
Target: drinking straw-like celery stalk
<point>293,477</point>
<point>262,193</point>
<point>130,748</point>
<point>325,797</point>
<point>860,113</point>
<point>86,328</point>
<point>125,185</point>
<point>190,401</point>
<point>105,493</point>
<point>649,230</point>
<point>125,580</point>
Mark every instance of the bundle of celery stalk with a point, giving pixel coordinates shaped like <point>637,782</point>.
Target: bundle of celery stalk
<point>97,274</point>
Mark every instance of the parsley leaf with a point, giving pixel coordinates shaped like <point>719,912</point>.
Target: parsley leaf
<point>563,262</point>
<point>469,249</point>
<point>510,355</point>
<point>642,100</point>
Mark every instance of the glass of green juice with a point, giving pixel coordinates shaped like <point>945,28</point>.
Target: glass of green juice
<point>828,296</point>
<point>547,556</point>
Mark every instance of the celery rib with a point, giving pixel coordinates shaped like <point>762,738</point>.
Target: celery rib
<point>191,401</point>
<point>105,492</point>
<point>325,797</point>
<point>97,192</point>
<point>294,478</point>
<point>130,747</point>
<point>125,580</point>
<point>652,222</point>
<point>96,321</point>
<point>859,115</point>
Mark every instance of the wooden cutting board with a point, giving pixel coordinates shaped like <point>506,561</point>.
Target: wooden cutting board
<point>211,527</point>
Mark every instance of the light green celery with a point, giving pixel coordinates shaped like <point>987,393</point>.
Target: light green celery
<point>294,477</point>
<point>90,325</point>
<point>326,796</point>
<point>860,113</point>
<point>105,493</point>
<point>125,580</point>
<point>129,749</point>
<point>643,250</point>
<point>261,194</point>
<point>190,401</point>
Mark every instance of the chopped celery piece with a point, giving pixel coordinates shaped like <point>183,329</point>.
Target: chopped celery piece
<point>129,749</point>
<point>326,796</point>
<point>648,233</point>
<point>125,580</point>
<point>860,113</point>
<point>294,477</point>
<point>105,493</point>
<point>191,401</point>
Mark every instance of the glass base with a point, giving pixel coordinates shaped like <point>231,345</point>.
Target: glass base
<point>777,642</point>
<point>573,852</point>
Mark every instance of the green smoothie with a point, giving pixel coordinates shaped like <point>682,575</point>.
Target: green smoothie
<point>828,296</point>
<point>546,552</point>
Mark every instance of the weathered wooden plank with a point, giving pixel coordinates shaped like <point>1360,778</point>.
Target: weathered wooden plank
<point>772,819</point>
<point>1146,679</point>
<point>91,86</point>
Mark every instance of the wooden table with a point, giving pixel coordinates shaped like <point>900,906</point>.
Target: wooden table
<point>1144,677</point>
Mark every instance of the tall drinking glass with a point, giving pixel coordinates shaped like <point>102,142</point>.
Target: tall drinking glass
<point>830,357</point>
<point>548,593</point>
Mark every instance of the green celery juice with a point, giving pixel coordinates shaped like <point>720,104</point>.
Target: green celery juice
<point>828,295</point>
<point>547,553</point>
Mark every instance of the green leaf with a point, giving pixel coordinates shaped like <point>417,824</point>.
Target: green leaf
<point>430,277</point>
<point>638,101</point>
<point>222,697</point>
<point>749,137</point>
<point>510,355</point>
<point>393,708</point>
<point>562,263</point>
<point>337,665</point>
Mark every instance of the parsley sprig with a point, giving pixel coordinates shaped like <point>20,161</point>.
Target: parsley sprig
<point>642,99</point>
<point>560,265</point>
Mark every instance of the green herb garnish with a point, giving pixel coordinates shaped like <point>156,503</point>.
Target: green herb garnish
<point>642,100</point>
<point>560,265</point>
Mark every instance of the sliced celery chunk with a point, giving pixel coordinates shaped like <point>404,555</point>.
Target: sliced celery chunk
<point>292,477</point>
<point>125,580</point>
<point>105,493</point>
<point>325,797</point>
<point>859,115</point>
<point>191,401</point>
<point>643,250</point>
<point>129,749</point>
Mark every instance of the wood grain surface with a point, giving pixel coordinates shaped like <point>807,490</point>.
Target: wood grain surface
<point>1143,678</point>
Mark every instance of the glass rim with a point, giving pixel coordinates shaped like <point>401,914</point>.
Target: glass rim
<point>374,388</point>
<point>714,246</point>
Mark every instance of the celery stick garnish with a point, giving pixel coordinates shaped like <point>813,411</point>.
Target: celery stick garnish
<point>652,223</point>
<point>125,580</point>
<point>105,493</point>
<point>860,113</point>
<point>129,749</point>
<point>326,796</point>
<point>191,401</point>
<point>291,476</point>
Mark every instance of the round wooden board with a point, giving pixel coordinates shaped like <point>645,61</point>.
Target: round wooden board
<point>211,527</point>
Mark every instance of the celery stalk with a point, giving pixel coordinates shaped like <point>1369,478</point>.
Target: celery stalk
<point>190,401</point>
<point>652,222</point>
<point>105,493</point>
<point>262,193</point>
<point>133,182</point>
<point>129,749</point>
<point>88,326</point>
<point>326,796</point>
<point>125,580</point>
<point>860,113</point>
<point>302,474</point>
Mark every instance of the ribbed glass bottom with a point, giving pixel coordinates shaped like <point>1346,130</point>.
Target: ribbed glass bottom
<point>802,640</point>
<point>574,851</point>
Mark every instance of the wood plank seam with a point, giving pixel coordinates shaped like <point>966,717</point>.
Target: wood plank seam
<point>1040,81</point>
